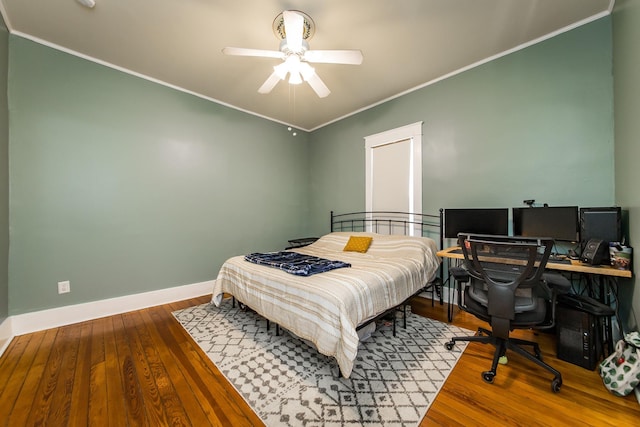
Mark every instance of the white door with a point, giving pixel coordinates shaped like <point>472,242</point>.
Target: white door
<point>394,173</point>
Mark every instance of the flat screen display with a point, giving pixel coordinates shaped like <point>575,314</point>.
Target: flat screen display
<point>557,222</point>
<point>601,223</point>
<point>477,221</point>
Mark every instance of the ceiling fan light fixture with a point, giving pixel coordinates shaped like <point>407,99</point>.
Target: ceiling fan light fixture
<point>281,70</point>
<point>293,62</point>
<point>295,78</point>
<point>294,65</point>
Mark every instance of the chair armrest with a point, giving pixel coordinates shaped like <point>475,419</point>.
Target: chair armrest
<point>460,274</point>
<point>557,282</point>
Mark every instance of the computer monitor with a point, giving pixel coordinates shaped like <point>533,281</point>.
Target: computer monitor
<point>557,222</point>
<point>601,223</point>
<point>478,221</point>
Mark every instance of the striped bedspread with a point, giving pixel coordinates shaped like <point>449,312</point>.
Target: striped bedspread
<point>295,263</point>
<point>326,308</point>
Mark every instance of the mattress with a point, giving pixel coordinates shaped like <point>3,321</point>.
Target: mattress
<point>326,308</point>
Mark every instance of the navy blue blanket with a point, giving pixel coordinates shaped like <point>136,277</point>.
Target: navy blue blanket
<point>295,263</point>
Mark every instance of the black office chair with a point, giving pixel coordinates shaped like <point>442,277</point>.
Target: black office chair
<point>505,285</point>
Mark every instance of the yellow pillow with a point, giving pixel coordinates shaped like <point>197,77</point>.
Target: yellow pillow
<point>358,244</point>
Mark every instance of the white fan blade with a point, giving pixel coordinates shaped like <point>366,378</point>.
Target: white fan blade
<point>318,85</point>
<point>293,23</point>
<point>352,57</point>
<point>270,83</point>
<point>240,51</point>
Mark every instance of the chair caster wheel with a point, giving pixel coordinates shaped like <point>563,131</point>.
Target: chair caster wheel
<point>555,385</point>
<point>449,345</point>
<point>488,376</point>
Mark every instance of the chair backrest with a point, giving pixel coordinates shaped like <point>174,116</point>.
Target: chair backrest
<point>506,273</point>
<point>527,257</point>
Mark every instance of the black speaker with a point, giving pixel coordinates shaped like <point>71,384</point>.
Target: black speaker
<point>596,252</point>
<point>578,337</point>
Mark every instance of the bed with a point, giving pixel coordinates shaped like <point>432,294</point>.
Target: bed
<point>328,308</point>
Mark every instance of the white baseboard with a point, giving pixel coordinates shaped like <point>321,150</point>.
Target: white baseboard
<point>6,334</point>
<point>60,316</point>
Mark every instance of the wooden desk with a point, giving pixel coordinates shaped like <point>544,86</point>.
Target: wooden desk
<point>575,266</point>
<point>600,271</point>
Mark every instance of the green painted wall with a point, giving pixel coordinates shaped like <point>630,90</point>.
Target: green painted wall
<point>535,124</point>
<point>626,72</point>
<point>4,173</point>
<point>124,186</point>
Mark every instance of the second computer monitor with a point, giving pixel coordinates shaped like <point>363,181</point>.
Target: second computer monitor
<point>557,222</point>
<point>478,221</point>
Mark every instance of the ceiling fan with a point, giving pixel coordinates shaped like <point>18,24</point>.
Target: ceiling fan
<point>294,28</point>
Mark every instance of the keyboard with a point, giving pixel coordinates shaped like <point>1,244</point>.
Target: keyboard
<point>521,256</point>
<point>557,260</point>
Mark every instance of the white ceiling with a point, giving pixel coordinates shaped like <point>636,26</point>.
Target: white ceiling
<point>406,43</point>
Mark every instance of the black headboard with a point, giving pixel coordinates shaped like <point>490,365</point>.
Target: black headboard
<point>390,222</point>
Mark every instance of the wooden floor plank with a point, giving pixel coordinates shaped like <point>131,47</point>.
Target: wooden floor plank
<point>223,408</point>
<point>16,366</point>
<point>49,379</point>
<point>142,368</point>
<point>97,412</point>
<point>133,392</point>
<point>30,380</point>
<point>14,354</point>
<point>154,319</point>
<point>81,385</point>
<point>166,404</point>
<point>60,405</point>
<point>115,356</point>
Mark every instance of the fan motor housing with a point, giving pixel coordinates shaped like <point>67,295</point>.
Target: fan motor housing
<point>308,26</point>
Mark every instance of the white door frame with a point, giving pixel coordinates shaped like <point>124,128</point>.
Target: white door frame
<point>413,133</point>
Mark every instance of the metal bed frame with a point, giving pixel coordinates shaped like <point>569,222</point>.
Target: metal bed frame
<point>378,221</point>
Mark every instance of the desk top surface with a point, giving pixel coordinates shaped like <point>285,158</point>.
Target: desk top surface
<point>575,266</point>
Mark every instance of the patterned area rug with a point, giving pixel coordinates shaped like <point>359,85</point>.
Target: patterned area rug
<point>288,383</point>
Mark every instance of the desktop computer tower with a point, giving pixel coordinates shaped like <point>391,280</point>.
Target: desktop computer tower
<point>578,336</point>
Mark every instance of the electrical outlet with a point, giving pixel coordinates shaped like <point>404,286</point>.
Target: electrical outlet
<point>64,287</point>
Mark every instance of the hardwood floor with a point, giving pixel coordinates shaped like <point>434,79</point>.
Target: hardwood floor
<point>142,368</point>
<point>521,394</point>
